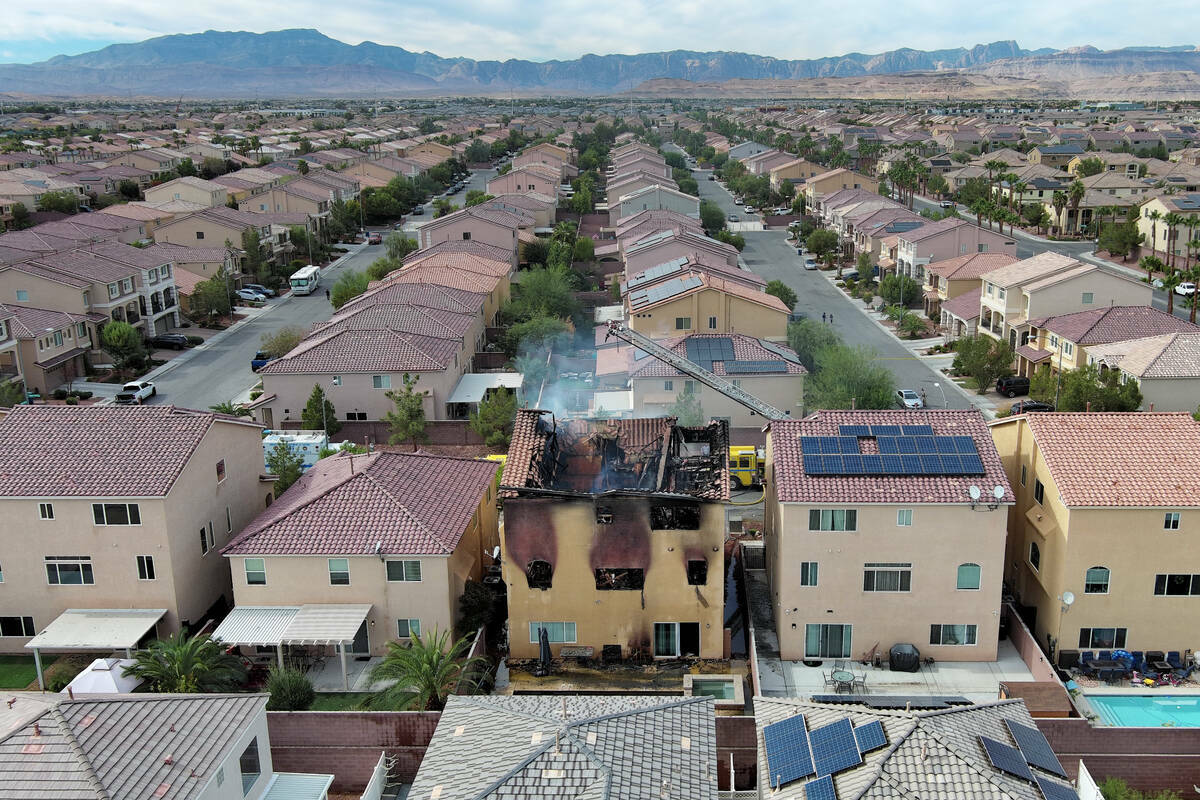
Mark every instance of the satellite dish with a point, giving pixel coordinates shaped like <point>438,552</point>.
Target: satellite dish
<point>495,552</point>
<point>998,492</point>
<point>1068,598</point>
<point>974,492</point>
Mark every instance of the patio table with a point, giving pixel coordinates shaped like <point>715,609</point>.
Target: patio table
<point>843,679</point>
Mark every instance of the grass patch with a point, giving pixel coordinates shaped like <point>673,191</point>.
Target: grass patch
<point>18,672</point>
<point>338,701</point>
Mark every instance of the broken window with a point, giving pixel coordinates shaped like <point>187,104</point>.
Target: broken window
<point>697,572</point>
<point>539,573</point>
<point>604,515</point>
<point>675,516</point>
<point>607,579</point>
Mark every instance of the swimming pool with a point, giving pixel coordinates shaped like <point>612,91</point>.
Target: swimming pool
<point>1147,711</point>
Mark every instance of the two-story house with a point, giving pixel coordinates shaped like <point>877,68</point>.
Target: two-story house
<point>650,198</point>
<point>832,181</point>
<point>495,226</point>
<point>954,277</point>
<point>1061,342</point>
<point>192,189</point>
<point>1166,368</point>
<point>705,302</point>
<point>46,348</point>
<point>944,239</point>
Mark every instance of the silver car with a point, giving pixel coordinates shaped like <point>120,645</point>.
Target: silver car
<point>907,398</point>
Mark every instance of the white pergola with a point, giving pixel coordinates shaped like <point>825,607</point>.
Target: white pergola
<point>312,624</point>
<point>96,630</point>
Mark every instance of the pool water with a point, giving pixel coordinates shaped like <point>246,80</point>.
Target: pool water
<point>1147,711</point>
<point>718,689</point>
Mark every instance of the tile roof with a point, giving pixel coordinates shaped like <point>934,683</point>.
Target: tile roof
<point>1121,459</point>
<point>1033,354</point>
<point>422,295</point>
<point>965,306</point>
<point>745,348</point>
<point>376,351</point>
<point>794,485</point>
<point>401,318</point>
<point>1114,324</point>
<point>1172,355</point>
<point>125,746</point>
<point>702,281</point>
<point>32,323</point>
<point>412,503</point>
<point>587,748</point>
<point>933,229</point>
<point>972,265</point>
<point>1029,269</point>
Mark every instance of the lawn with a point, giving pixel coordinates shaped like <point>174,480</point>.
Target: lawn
<point>17,672</point>
<point>338,701</point>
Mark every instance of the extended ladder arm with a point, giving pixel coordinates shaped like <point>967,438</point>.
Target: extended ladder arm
<point>693,369</point>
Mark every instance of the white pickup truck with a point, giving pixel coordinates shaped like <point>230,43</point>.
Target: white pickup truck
<point>135,393</point>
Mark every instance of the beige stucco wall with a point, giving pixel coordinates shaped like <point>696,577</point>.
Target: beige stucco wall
<point>565,533</point>
<point>184,231</point>
<point>734,315</point>
<point>452,230</point>
<point>785,392</point>
<point>182,191</point>
<point>1066,297</point>
<point>1170,394</point>
<point>45,293</point>
<point>520,181</point>
<point>277,200</point>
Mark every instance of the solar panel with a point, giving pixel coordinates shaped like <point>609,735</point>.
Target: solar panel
<point>847,444</point>
<point>906,444</point>
<point>852,464</point>
<point>833,464</point>
<point>910,464</point>
<point>830,444</point>
<point>916,430</point>
<point>854,430</point>
<point>809,444</point>
<point>788,756</point>
<point>872,464</point>
<point>944,444</point>
<point>834,748</point>
<point>893,464</point>
<point>1035,748</point>
<point>754,367</point>
<point>1006,759</point>
<point>820,789</point>
<point>926,444</point>
<point>972,465</point>
<point>964,444</point>
<point>870,736</point>
<point>782,352</point>
<point>813,465</point>
<point>888,444</point>
<point>885,430</point>
<point>1055,791</point>
<point>951,464</point>
<point>931,464</point>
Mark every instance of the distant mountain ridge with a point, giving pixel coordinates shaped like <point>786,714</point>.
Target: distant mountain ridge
<point>305,62</point>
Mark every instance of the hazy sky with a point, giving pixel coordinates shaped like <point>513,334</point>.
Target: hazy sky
<point>547,29</point>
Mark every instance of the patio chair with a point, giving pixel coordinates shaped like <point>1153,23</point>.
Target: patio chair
<point>1154,655</point>
<point>1174,660</point>
<point>860,682</point>
<point>1085,657</point>
<point>828,680</point>
<point>1139,660</point>
<point>1104,655</point>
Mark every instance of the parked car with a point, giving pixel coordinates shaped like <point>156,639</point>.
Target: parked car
<point>1013,385</point>
<point>250,296</point>
<point>375,238</point>
<point>418,211</point>
<point>1185,289</point>
<point>135,393</point>
<point>849,274</point>
<point>810,263</point>
<point>907,398</point>
<point>947,204</point>
<point>258,287</point>
<point>1027,406</point>
<point>168,341</point>
<point>734,218</point>
<point>260,360</point>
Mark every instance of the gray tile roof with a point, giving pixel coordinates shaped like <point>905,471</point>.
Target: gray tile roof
<point>581,747</point>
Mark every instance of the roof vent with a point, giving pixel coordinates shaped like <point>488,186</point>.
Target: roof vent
<point>436,793</point>
<point>460,730</point>
<point>685,742</point>
<point>536,738</point>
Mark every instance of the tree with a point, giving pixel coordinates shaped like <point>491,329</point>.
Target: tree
<point>687,410</point>
<point>232,409</point>
<point>783,292</point>
<point>64,201</point>
<point>285,465</point>
<point>1151,264</point>
<point>186,168</point>
<point>281,341</point>
<point>253,261</point>
<point>478,607</point>
<point>1118,789</point>
<point>533,334</point>
<point>407,420</point>
<point>585,250</point>
<point>183,664</point>
<point>542,292</point>
<point>1089,167</point>
<point>1035,215</point>
<point>581,203</point>
<point>493,420</point>
<point>847,376</point>
<point>1075,193</point>
<point>212,167</point>
<point>129,189</point>
<point>477,196</point>
<point>808,337</point>
<point>20,216</point>
<point>442,206</point>
<point>985,359</point>
<point>302,167</point>
<point>11,394</point>
<point>348,287</point>
<point>901,290</point>
<point>822,241</point>
<point>736,239</point>
<point>382,267</point>
<point>711,216</point>
<point>290,689</point>
<point>319,413</point>
<point>1086,388</point>
<point>424,673</point>
<point>123,342</point>
<point>911,325</point>
<point>937,185</point>
<point>398,246</point>
<point>1059,201</point>
<point>535,251</point>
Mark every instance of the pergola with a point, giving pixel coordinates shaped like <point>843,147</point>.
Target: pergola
<point>312,624</point>
<point>95,630</point>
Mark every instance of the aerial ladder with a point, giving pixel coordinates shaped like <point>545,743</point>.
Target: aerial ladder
<point>693,369</point>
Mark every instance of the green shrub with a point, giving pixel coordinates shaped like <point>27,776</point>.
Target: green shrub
<point>255,394</point>
<point>195,341</point>
<point>290,689</point>
<point>60,394</point>
<point>72,401</point>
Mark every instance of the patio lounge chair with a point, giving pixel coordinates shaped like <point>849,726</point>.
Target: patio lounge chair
<point>1104,655</point>
<point>1084,658</point>
<point>1174,660</point>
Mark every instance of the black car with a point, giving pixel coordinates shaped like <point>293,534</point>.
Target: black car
<point>1013,385</point>
<point>169,341</point>
<point>1028,406</point>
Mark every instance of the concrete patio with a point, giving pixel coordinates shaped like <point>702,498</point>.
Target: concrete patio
<point>329,677</point>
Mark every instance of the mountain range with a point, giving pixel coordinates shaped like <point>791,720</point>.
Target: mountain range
<point>304,62</point>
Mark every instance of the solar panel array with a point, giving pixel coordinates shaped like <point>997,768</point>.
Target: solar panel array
<point>820,789</point>
<point>754,367</point>
<point>662,291</point>
<point>908,454</point>
<point>1056,791</point>
<point>780,350</point>
<point>788,756</point>
<point>654,273</point>
<point>885,430</point>
<point>704,350</point>
<point>1034,748</point>
<point>870,736</point>
<point>834,748</point>
<point>1006,759</point>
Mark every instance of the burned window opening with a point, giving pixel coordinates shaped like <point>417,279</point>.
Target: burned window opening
<point>620,579</point>
<point>671,516</point>
<point>604,515</point>
<point>697,572</point>
<point>539,574</point>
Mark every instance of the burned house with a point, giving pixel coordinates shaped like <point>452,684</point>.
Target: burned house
<point>613,536</point>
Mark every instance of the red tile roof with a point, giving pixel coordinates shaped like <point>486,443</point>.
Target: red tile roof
<point>1114,324</point>
<point>972,265</point>
<point>1120,459</point>
<point>745,348</point>
<point>99,451</point>
<point>410,503</point>
<point>376,351</point>
<point>793,485</point>
<point>965,306</point>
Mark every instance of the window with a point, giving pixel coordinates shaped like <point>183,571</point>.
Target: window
<point>712,323</point>
<point>683,323</point>
<point>968,576</point>
<point>248,764</point>
<point>697,572</point>
<point>1022,474</point>
<point>1068,348</point>
<point>952,634</point>
<point>1095,580</point>
<point>22,296</point>
<point>1087,298</point>
<point>887,577</point>
<point>80,331</point>
<point>808,573</point>
<point>199,234</point>
<point>256,571</point>
<point>675,516</point>
<point>220,470</point>
<point>1176,585</point>
<point>1039,490</point>
<point>1035,556</point>
<point>668,386</point>
<point>539,574</point>
<point>1102,638</point>
<point>1002,292</point>
<point>228,521</point>
<point>17,626</point>
<point>145,566</point>
<point>620,578</point>
<point>58,339</point>
<point>116,514</point>
<point>127,285</point>
<point>689,387</point>
<point>203,541</point>
<point>557,632</point>
<point>674,639</point>
<point>827,641</point>
<point>45,510</point>
<point>832,519</point>
<point>357,416</point>
<point>113,291</point>
<point>381,381</point>
<point>165,270</point>
<point>904,517</point>
<point>1171,521</point>
<point>408,628</point>
<point>466,236</point>
<point>339,572</point>
<point>404,570</point>
<point>69,570</point>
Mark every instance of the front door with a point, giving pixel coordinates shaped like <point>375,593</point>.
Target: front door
<point>689,639</point>
<point>361,646</point>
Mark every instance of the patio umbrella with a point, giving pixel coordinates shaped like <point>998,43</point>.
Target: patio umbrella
<point>544,649</point>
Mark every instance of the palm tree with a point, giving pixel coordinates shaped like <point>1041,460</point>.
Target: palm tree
<point>232,409</point>
<point>1154,217</point>
<point>1017,188</point>
<point>1191,221</point>
<point>994,167</point>
<point>424,673</point>
<point>1059,201</point>
<point>1075,193</point>
<point>1151,264</point>
<point>187,664</point>
<point>1170,281</point>
<point>1174,222</point>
